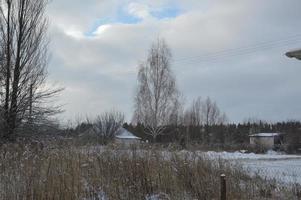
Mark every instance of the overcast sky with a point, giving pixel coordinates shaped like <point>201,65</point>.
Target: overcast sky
<point>230,50</point>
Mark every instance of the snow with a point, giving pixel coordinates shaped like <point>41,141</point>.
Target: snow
<point>159,196</point>
<point>265,135</point>
<point>271,155</point>
<point>95,193</point>
<point>125,134</point>
<point>282,170</point>
<point>272,165</point>
<point>98,196</point>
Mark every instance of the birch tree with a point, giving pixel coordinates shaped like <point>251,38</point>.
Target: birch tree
<point>157,96</point>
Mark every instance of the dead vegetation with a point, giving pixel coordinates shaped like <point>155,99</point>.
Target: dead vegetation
<point>67,172</point>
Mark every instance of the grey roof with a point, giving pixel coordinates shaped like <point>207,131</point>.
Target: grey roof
<point>294,54</point>
<point>265,135</point>
<point>122,133</point>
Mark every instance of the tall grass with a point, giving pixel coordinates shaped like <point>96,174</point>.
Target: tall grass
<point>31,172</point>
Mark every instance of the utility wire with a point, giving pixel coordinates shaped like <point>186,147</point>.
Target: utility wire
<point>258,45</point>
<point>240,51</point>
<point>228,54</point>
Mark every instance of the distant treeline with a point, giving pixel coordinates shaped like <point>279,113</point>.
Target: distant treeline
<point>221,134</point>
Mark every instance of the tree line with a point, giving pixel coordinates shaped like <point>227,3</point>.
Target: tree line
<point>223,135</point>
<point>160,114</point>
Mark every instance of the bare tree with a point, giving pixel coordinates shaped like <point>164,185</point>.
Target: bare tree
<point>107,125</point>
<point>211,115</point>
<point>205,113</point>
<point>193,116</point>
<point>24,45</point>
<point>157,98</point>
<point>210,112</point>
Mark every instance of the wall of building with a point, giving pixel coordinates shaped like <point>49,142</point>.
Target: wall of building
<point>127,141</point>
<point>267,142</point>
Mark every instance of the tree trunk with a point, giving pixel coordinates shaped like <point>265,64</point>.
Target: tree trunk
<point>7,74</point>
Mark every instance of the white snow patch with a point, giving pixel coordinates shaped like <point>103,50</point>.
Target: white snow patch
<point>271,155</point>
<point>159,196</point>
<point>273,165</point>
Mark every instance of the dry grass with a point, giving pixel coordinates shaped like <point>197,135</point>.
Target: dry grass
<point>29,172</point>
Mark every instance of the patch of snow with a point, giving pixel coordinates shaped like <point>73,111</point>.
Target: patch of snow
<point>271,155</point>
<point>273,165</point>
<point>159,196</point>
<point>94,193</point>
<point>98,196</point>
<point>284,171</point>
<point>271,152</point>
<point>243,151</point>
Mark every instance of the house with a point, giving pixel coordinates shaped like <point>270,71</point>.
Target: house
<point>294,54</point>
<point>123,136</point>
<point>266,140</point>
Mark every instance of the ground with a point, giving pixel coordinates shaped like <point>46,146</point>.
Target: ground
<point>284,168</point>
<point>147,172</point>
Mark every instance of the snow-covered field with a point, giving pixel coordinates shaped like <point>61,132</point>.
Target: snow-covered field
<point>284,168</point>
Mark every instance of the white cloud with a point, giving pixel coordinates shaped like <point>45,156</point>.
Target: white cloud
<point>102,29</point>
<point>74,33</point>
<point>139,10</point>
<point>100,69</point>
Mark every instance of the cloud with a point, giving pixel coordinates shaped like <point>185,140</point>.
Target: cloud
<point>139,10</point>
<point>96,48</point>
<point>102,29</point>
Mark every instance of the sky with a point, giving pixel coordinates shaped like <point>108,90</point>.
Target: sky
<point>230,50</point>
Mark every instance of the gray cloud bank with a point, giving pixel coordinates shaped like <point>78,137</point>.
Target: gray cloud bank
<point>232,51</point>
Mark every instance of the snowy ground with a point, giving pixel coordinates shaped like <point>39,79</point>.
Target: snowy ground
<point>284,168</point>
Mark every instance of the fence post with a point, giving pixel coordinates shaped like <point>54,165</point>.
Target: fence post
<point>223,187</point>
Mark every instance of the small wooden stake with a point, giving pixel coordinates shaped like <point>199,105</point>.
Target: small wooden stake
<point>223,187</point>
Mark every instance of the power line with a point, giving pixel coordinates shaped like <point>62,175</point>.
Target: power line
<point>287,39</point>
<point>227,54</point>
<point>241,50</point>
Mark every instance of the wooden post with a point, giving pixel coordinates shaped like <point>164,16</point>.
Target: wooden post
<point>223,187</point>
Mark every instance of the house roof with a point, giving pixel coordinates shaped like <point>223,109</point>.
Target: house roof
<point>265,135</point>
<point>122,133</point>
<point>294,54</point>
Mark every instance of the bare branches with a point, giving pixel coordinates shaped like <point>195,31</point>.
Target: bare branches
<point>157,96</point>
<point>25,51</point>
<point>204,113</point>
<point>107,125</point>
